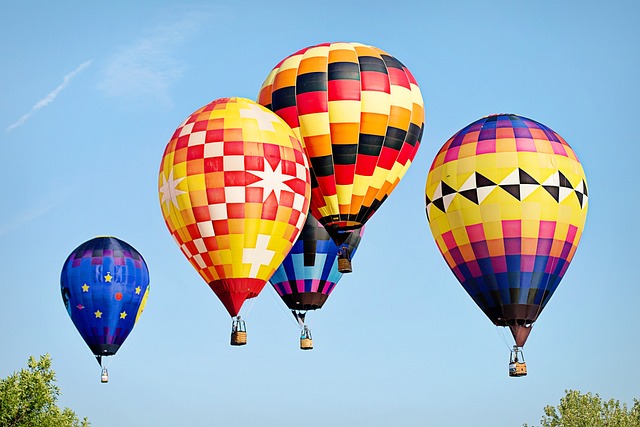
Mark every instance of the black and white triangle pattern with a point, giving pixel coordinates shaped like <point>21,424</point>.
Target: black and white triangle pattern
<point>518,183</point>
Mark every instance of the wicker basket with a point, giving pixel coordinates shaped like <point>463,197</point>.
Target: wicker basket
<point>238,338</point>
<point>344,265</point>
<point>306,343</point>
<point>517,369</point>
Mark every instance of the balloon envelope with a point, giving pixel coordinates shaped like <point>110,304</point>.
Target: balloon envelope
<point>309,273</point>
<point>104,284</point>
<point>506,200</point>
<point>359,112</point>
<point>234,188</point>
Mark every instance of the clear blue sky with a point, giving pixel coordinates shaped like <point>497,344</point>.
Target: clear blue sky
<point>90,95</point>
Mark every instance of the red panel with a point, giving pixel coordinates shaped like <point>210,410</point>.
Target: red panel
<point>233,292</point>
<point>398,77</point>
<point>215,195</point>
<point>312,102</point>
<point>344,174</point>
<point>213,164</point>
<point>387,158</point>
<point>269,207</point>
<point>214,135</point>
<point>220,227</point>
<point>235,210</point>
<point>327,184</point>
<point>195,152</point>
<point>375,81</point>
<point>200,126</point>
<point>344,90</point>
<point>235,178</point>
<point>365,165</point>
<point>232,147</point>
<point>290,116</point>
<point>201,213</point>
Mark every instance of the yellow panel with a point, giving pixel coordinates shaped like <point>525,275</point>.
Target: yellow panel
<point>375,102</point>
<point>314,124</point>
<point>401,97</point>
<point>460,235</point>
<point>531,211</point>
<point>344,194</point>
<point>531,228</point>
<point>360,185</point>
<point>492,230</point>
<point>344,111</point>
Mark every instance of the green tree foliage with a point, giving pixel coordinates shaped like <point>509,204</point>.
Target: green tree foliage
<point>28,398</point>
<point>589,410</point>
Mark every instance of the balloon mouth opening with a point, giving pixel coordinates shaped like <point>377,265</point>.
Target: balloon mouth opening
<point>104,349</point>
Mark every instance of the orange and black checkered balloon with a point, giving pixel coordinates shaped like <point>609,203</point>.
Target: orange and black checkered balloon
<point>234,188</point>
<point>360,114</point>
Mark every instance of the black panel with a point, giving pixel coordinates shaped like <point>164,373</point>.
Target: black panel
<point>323,165</point>
<point>446,189</point>
<point>554,191</point>
<point>344,71</point>
<point>304,301</point>
<point>370,63</point>
<point>311,82</point>
<point>370,144</point>
<point>395,138</point>
<point>283,98</point>
<point>525,178</point>
<point>345,154</point>
<point>104,349</point>
<point>514,190</point>
<point>564,182</point>
<point>392,62</point>
<point>483,181</point>
<point>471,195</point>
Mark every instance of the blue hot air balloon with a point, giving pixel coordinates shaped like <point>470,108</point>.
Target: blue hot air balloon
<point>309,273</point>
<point>105,285</point>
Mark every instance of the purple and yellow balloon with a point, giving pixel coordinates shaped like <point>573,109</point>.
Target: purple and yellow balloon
<point>506,201</point>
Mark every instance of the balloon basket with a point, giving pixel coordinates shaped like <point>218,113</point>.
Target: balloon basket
<point>306,344</point>
<point>517,365</point>
<point>104,377</point>
<point>517,369</point>
<point>344,265</point>
<point>238,338</point>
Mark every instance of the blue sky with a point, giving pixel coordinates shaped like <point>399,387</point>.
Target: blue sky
<point>90,95</point>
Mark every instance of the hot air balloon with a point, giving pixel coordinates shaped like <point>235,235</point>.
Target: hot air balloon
<point>234,188</point>
<point>506,200</point>
<point>105,285</point>
<point>360,115</point>
<point>309,273</point>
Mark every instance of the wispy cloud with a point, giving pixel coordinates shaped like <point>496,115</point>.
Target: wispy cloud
<point>147,67</point>
<point>50,97</point>
<point>49,202</point>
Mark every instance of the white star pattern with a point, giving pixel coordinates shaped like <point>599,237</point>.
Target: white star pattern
<point>264,118</point>
<point>169,191</point>
<point>272,180</point>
